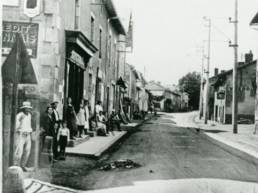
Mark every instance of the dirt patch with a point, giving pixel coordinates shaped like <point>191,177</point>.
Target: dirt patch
<point>120,164</point>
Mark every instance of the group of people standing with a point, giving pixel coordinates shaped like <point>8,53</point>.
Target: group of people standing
<point>56,133</point>
<point>59,132</point>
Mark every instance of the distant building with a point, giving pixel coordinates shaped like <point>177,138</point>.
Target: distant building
<point>165,98</point>
<point>220,98</point>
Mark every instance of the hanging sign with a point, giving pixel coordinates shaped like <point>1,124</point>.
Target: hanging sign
<point>32,8</point>
<point>29,32</point>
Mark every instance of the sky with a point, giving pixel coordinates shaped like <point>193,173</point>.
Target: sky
<point>169,35</point>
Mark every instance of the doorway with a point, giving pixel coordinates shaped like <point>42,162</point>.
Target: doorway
<point>75,84</point>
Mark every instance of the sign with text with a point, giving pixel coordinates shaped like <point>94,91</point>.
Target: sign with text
<point>29,32</point>
<point>11,2</point>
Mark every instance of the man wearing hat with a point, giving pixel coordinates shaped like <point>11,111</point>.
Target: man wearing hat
<point>55,113</point>
<point>23,133</point>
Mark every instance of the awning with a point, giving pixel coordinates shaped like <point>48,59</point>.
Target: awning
<point>79,48</point>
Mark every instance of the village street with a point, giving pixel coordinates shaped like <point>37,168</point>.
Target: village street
<point>165,152</point>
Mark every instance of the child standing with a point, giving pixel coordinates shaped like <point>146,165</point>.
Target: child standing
<point>63,138</point>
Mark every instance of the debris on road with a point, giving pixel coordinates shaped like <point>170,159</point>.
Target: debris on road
<point>120,164</point>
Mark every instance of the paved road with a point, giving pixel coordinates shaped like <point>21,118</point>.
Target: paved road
<point>168,152</point>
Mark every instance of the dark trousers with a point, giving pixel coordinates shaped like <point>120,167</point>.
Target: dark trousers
<point>72,128</point>
<point>80,129</point>
<point>55,147</point>
<point>63,144</point>
<point>115,123</point>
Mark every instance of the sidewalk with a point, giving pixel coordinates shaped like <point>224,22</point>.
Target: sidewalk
<point>37,186</point>
<point>97,145</point>
<point>245,140</point>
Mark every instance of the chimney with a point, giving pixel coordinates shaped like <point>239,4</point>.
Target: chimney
<point>216,71</point>
<point>249,57</point>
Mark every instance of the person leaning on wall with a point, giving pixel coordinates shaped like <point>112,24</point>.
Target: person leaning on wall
<point>23,136</point>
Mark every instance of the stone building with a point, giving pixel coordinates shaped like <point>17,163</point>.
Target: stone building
<point>220,93</point>
<point>76,47</point>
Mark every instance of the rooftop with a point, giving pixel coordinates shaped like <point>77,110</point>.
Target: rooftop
<point>113,17</point>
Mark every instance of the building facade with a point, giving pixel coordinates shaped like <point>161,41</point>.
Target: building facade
<point>220,94</point>
<point>76,47</point>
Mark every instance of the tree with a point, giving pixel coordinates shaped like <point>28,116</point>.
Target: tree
<point>190,83</point>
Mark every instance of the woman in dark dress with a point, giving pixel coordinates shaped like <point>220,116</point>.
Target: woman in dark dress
<point>71,119</point>
<point>48,134</point>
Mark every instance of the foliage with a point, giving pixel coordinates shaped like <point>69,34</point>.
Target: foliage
<point>190,83</point>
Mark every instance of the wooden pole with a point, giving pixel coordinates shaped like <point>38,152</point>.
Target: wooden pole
<point>1,108</point>
<point>201,88</point>
<point>206,107</point>
<point>235,85</point>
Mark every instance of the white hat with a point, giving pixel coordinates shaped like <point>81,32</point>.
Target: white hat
<point>26,104</point>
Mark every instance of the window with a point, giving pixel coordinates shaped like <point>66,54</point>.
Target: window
<point>114,95</point>
<point>92,25</point>
<point>90,85</point>
<point>109,49</point>
<point>31,4</point>
<point>100,42</point>
<point>77,14</point>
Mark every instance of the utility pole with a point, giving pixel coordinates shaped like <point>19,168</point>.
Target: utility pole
<point>206,107</point>
<point>201,88</point>
<point>235,85</point>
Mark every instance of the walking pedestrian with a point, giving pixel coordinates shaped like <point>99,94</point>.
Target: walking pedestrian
<point>71,119</point>
<point>23,136</point>
<point>63,139</point>
<point>81,117</point>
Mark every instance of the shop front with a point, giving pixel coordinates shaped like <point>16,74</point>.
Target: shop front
<point>79,50</point>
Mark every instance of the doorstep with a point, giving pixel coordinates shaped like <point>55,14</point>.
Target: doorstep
<point>78,141</point>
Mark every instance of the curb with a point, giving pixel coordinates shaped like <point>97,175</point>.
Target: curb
<point>129,132</point>
<point>226,147</point>
<point>230,149</point>
<point>111,144</point>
